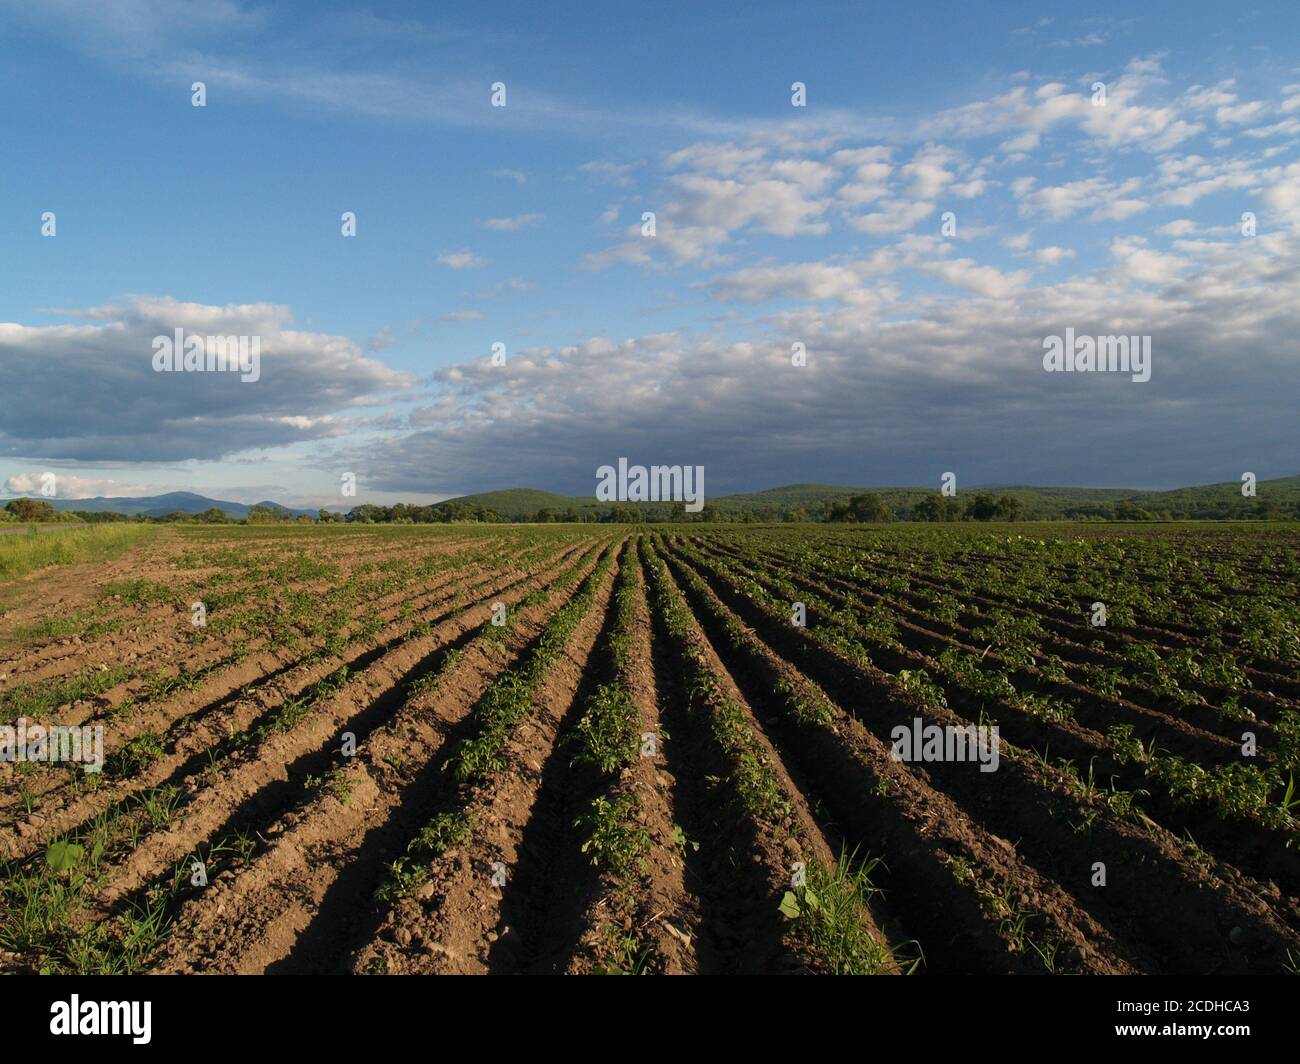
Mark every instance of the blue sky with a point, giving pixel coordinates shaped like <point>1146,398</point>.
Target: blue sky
<point>775,225</point>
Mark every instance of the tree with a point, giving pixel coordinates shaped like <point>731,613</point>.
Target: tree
<point>930,508</point>
<point>869,507</point>
<point>32,510</point>
<point>865,507</point>
<point>1010,508</point>
<point>263,514</point>
<point>1128,510</point>
<point>983,507</point>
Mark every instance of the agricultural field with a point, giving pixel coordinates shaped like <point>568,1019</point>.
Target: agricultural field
<point>657,749</point>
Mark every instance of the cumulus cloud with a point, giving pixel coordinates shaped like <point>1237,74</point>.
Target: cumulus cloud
<point>87,390</point>
<point>67,486</point>
<point>1144,265</point>
<point>717,191</point>
<point>929,172</point>
<point>969,275</point>
<point>1122,120</point>
<point>808,281</point>
<point>1282,196</point>
<point>889,397</point>
<point>896,216</point>
<point>915,351</point>
<point>1050,256</point>
<point>1107,200</point>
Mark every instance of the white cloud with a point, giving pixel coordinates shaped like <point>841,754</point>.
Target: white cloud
<point>1238,114</point>
<point>868,407</point>
<point>1051,255</point>
<point>1282,197</point>
<point>1121,121</point>
<point>929,172</point>
<point>869,183</point>
<point>510,225</point>
<point>68,486</point>
<point>896,217</point>
<point>1107,200</point>
<point>1139,263</point>
<point>55,379</point>
<point>986,281</point>
<point>809,280</point>
<point>619,174</point>
<point>460,260</point>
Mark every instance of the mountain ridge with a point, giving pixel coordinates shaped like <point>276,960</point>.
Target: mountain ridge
<point>515,503</point>
<point>168,503</point>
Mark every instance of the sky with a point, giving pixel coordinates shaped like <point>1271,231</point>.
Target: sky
<point>961,182</point>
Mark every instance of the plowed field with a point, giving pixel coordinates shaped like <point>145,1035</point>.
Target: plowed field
<point>601,748</point>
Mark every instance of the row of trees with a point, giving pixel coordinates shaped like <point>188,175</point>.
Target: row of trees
<point>864,508</point>
<point>979,507</point>
<point>1228,510</point>
<point>405,514</point>
<point>29,510</point>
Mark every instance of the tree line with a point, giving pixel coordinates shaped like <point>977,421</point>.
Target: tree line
<point>864,508</point>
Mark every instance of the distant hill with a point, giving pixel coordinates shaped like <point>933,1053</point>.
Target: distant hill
<point>1042,503</point>
<point>170,503</point>
<point>1283,491</point>
<point>516,502</point>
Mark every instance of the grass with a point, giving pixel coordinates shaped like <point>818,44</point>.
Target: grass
<point>39,548</point>
<point>87,624</point>
<point>47,898</point>
<point>137,755</point>
<point>38,700</point>
<point>334,782</point>
<point>830,910</point>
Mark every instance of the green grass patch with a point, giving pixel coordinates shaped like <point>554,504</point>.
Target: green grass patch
<point>39,548</point>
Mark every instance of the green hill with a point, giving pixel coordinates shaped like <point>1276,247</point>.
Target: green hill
<point>789,497</point>
<point>1039,503</point>
<point>1284,491</point>
<point>517,502</point>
